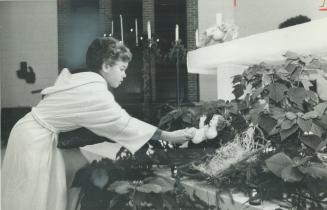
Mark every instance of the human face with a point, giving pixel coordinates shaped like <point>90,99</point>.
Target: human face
<point>115,74</point>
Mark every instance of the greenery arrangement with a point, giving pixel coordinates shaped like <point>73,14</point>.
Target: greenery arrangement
<point>277,120</point>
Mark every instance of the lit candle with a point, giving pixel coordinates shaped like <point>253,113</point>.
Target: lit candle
<point>112,28</point>
<point>121,28</point>
<point>197,38</point>
<point>136,33</point>
<point>219,18</point>
<point>176,33</point>
<point>149,30</point>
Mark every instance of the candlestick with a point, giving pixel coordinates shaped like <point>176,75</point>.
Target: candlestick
<point>219,18</point>
<point>112,28</point>
<point>149,30</point>
<point>136,34</point>
<point>176,33</point>
<point>197,38</point>
<point>121,28</point>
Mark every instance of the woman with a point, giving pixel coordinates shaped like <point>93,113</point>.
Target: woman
<point>33,173</point>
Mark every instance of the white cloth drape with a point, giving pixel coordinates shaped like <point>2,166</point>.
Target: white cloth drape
<point>33,172</point>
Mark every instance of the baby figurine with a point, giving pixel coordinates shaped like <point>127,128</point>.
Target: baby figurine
<point>206,131</point>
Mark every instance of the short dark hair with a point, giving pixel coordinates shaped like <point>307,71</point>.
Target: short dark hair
<point>106,50</point>
<point>294,21</point>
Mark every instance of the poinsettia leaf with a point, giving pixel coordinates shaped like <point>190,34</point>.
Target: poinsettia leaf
<point>238,90</point>
<point>306,84</point>
<point>320,108</point>
<point>323,65</point>
<point>311,141</point>
<point>277,113</point>
<point>237,78</point>
<point>233,107</point>
<point>291,55</point>
<point>321,145</point>
<point>266,122</point>
<point>305,125</point>
<point>221,103</point>
<point>287,124</point>
<point>322,122</point>
<point>291,67</point>
<point>254,115</point>
<point>149,188</point>
<point>164,184</point>
<point>187,118</point>
<point>297,95</point>
<point>312,97</point>
<point>291,174</point>
<point>278,162</point>
<point>315,170</point>
<point>282,71</point>
<point>121,187</point>
<point>256,93</point>
<point>276,91</point>
<point>297,161</point>
<point>284,134</point>
<point>296,75</point>
<point>310,115</point>
<point>283,74</point>
<point>306,59</point>
<point>314,64</point>
<point>290,116</point>
<point>317,130</point>
<point>243,105</point>
<point>266,79</point>
<point>275,130</point>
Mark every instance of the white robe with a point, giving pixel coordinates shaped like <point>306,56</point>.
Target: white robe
<point>33,172</point>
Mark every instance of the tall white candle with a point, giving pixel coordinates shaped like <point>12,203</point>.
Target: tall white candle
<point>136,33</point>
<point>121,28</point>
<point>112,28</point>
<point>149,30</point>
<point>219,19</point>
<point>197,38</point>
<point>176,33</point>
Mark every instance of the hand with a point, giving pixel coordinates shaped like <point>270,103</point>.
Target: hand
<point>178,136</point>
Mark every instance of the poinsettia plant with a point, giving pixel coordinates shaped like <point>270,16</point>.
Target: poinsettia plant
<point>282,104</point>
<point>282,101</point>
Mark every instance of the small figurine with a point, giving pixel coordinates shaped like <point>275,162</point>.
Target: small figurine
<point>209,131</point>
